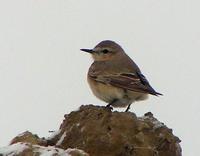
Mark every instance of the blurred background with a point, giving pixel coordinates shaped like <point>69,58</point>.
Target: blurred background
<point>43,72</point>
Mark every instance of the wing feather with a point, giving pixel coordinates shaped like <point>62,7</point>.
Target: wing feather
<point>130,81</point>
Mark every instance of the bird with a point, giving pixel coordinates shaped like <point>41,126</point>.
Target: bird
<point>115,78</point>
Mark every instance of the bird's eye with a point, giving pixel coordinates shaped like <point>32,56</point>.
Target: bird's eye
<point>105,51</point>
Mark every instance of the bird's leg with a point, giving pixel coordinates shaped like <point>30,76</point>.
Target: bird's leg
<point>110,104</point>
<point>127,109</point>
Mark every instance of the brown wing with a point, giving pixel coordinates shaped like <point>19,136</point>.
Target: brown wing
<point>133,82</point>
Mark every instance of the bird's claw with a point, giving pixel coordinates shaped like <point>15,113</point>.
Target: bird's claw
<point>109,107</point>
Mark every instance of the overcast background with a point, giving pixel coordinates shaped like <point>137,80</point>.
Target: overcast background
<point>43,73</point>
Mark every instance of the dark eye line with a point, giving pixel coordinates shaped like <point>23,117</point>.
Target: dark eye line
<point>105,51</point>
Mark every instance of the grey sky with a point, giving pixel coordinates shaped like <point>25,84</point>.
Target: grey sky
<point>43,73</point>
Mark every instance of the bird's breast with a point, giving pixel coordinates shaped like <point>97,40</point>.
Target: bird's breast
<point>105,92</point>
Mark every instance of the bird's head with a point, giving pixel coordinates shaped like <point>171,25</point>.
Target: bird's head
<point>105,50</point>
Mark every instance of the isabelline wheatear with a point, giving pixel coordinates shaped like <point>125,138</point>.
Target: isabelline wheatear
<point>115,78</point>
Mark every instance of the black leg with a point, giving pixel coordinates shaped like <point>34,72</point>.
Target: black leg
<point>110,104</point>
<point>127,109</point>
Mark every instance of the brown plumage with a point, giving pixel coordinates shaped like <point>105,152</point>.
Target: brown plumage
<point>115,78</point>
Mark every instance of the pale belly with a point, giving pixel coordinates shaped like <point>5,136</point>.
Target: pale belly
<point>109,93</point>
<point>104,92</point>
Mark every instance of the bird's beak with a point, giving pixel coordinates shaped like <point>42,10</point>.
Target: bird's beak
<point>87,50</point>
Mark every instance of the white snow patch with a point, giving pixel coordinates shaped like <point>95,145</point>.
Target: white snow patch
<point>61,139</point>
<point>50,150</point>
<point>13,149</point>
<point>69,150</point>
<point>157,124</point>
<point>18,148</point>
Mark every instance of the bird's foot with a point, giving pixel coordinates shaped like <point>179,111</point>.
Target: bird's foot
<point>109,107</point>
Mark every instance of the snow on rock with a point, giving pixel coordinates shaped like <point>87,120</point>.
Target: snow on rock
<point>148,117</point>
<point>14,149</point>
<point>27,149</point>
<point>61,139</point>
<point>28,137</point>
<point>100,132</point>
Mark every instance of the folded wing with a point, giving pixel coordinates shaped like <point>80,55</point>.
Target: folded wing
<point>131,81</point>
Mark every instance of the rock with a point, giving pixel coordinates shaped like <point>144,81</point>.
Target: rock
<point>100,132</point>
<point>28,137</point>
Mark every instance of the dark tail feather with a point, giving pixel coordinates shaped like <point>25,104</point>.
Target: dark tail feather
<point>153,92</point>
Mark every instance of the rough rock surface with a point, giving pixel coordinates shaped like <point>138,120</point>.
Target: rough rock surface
<point>30,138</point>
<point>100,132</point>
